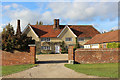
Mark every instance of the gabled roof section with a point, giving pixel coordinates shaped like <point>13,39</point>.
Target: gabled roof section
<point>77,30</point>
<point>113,36</point>
<point>46,30</point>
<point>84,30</point>
<point>64,29</point>
<point>31,29</point>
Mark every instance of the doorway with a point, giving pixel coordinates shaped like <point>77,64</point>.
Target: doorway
<point>57,49</point>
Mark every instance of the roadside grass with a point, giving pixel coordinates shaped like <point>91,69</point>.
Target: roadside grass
<point>101,70</point>
<point>6,70</point>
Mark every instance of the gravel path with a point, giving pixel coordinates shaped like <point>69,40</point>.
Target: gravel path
<point>50,68</point>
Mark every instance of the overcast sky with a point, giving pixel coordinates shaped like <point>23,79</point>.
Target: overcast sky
<point>102,15</point>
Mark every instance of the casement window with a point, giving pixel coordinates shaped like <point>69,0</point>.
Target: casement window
<point>45,39</point>
<point>81,39</point>
<point>86,46</point>
<point>68,39</point>
<point>95,45</point>
<point>45,47</point>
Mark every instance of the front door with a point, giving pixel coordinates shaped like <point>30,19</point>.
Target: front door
<point>57,49</point>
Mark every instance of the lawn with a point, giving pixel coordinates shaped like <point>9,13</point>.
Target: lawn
<point>102,70</point>
<point>6,70</point>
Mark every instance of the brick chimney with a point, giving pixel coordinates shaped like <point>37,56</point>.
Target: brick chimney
<point>56,24</point>
<point>18,32</point>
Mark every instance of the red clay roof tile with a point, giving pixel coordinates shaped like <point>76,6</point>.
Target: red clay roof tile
<point>113,36</point>
<point>78,30</point>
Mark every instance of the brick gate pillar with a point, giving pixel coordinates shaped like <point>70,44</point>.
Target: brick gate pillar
<point>71,55</point>
<point>33,53</point>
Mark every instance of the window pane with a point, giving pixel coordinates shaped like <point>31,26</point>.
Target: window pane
<point>45,39</point>
<point>45,47</point>
<point>68,39</point>
<point>80,39</point>
<point>41,47</point>
<point>42,39</point>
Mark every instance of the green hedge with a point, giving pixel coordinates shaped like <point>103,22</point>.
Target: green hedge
<point>113,45</point>
<point>64,52</point>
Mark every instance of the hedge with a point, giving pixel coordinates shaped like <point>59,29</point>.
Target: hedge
<point>113,45</point>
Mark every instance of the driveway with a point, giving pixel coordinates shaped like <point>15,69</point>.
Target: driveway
<point>50,66</point>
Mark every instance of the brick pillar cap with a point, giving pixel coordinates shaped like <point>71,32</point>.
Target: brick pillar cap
<point>31,45</point>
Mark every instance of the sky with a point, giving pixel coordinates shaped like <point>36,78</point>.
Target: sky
<point>102,15</point>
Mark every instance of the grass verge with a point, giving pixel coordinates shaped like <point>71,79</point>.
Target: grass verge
<point>102,70</point>
<point>6,70</point>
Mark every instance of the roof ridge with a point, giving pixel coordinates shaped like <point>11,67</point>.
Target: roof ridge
<point>63,25</point>
<point>82,31</point>
<point>111,31</point>
<point>42,25</point>
<point>80,25</point>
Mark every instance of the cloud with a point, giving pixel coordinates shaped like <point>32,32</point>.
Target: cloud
<point>6,7</point>
<point>20,12</point>
<point>115,28</point>
<point>96,0</point>
<point>15,5</point>
<point>26,16</point>
<point>68,12</point>
<point>83,11</point>
<point>2,26</point>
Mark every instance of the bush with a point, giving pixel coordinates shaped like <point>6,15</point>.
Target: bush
<point>11,41</point>
<point>46,52</point>
<point>113,45</point>
<point>63,48</point>
<point>64,52</point>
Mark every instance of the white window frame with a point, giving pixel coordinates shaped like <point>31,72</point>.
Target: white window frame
<point>45,48</point>
<point>69,37</point>
<point>86,46</point>
<point>79,39</point>
<point>95,45</point>
<point>47,39</point>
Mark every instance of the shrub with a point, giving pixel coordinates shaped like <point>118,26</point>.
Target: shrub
<point>113,45</point>
<point>76,45</point>
<point>64,52</point>
<point>63,48</point>
<point>11,41</point>
<point>46,51</point>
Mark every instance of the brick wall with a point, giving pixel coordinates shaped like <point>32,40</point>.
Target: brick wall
<point>70,53</point>
<point>18,58</point>
<point>102,55</point>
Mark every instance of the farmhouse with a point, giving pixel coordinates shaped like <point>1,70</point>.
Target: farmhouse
<point>49,38</point>
<point>101,40</point>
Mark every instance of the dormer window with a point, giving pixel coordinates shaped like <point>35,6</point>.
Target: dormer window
<point>45,39</point>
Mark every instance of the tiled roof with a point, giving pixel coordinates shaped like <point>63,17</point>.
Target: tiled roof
<point>78,30</point>
<point>113,36</point>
